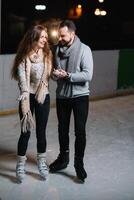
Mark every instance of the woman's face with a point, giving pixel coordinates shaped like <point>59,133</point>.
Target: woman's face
<point>42,40</point>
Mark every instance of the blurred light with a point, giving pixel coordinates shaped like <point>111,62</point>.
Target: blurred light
<point>78,10</point>
<point>54,33</point>
<point>101,1</point>
<point>103,12</point>
<point>97,11</point>
<point>40,7</point>
<point>75,12</point>
<point>79,6</point>
<point>100,12</point>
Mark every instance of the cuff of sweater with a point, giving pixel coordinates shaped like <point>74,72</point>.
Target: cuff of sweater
<point>68,77</point>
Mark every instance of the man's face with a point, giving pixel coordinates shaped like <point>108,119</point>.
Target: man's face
<point>65,36</point>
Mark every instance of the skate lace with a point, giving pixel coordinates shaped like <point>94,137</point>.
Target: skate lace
<point>42,165</point>
<point>20,169</point>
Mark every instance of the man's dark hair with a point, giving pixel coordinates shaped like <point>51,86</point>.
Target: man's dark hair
<point>70,24</point>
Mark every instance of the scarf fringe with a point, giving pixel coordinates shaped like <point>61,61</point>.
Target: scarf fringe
<point>41,92</point>
<point>27,122</point>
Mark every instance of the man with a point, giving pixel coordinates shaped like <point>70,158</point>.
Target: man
<point>74,69</point>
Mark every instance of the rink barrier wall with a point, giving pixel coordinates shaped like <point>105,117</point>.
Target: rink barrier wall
<point>113,76</point>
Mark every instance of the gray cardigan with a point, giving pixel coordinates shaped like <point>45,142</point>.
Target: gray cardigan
<point>81,78</point>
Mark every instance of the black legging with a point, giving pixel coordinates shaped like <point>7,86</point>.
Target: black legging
<point>41,118</point>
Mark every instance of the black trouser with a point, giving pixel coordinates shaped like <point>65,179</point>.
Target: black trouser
<point>80,107</point>
<point>41,118</point>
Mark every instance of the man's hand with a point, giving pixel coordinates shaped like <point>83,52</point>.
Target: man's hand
<point>56,72</point>
<point>60,73</point>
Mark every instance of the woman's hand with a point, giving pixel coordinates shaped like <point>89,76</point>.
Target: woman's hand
<point>23,96</point>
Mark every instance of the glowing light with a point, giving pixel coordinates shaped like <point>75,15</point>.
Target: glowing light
<point>101,1</point>
<point>103,13</point>
<point>97,11</point>
<point>79,6</point>
<point>40,7</point>
<point>54,33</point>
<point>78,10</point>
<point>100,12</point>
<point>75,12</point>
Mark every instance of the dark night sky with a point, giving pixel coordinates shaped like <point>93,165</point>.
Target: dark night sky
<point>114,31</point>
<point>57,8</point>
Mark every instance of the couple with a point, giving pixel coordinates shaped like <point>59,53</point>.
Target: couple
<point>73,69</point>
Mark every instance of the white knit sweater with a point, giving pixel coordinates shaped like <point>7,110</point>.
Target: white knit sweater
<point>35,76</point>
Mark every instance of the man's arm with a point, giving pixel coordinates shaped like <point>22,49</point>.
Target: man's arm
<point>86,72</point>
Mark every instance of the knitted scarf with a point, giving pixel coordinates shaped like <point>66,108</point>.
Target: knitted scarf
<point>72,54</point>
<point>27,122</point>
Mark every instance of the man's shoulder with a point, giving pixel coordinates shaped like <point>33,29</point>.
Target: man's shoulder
<point>85,47</point>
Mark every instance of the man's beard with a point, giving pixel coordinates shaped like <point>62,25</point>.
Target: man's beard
<point>65,44</point>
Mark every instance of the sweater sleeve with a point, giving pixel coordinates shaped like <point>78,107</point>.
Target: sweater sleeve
<point>86,66</point>
<point>22,78</point>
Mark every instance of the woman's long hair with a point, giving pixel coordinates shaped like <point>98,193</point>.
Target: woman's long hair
<point>26,45</point>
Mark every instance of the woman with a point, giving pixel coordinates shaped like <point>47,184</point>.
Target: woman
<point>32,69</point>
